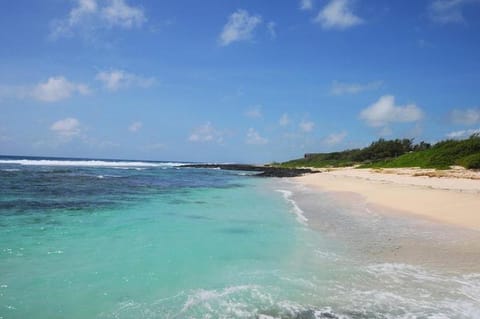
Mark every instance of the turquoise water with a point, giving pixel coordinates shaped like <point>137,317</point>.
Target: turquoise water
<point>152,240</point>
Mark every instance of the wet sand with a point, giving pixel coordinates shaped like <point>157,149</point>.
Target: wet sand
<point>383,221</point>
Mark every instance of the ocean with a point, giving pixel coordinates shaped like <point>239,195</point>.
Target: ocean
<point>85,238</point>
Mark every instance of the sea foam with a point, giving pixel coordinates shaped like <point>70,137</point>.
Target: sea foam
<point>89,163</point>
<point>295,209</point>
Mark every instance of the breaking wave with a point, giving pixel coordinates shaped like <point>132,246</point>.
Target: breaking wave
<point>88,163</point>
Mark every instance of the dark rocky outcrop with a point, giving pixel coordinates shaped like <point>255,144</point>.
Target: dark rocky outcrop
<point>263,171</point>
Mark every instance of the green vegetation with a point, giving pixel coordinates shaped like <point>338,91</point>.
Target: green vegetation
<point>400,153</point>
<point>471,161</point>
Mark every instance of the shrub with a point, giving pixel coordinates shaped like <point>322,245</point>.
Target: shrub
<point>471,162</point>
<point>401,153</point>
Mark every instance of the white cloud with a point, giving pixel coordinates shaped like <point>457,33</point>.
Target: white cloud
<point>463,133</point>
<point>254,138</point>
<point>54,89</point>
<point>83,10</point>
<point>206,133</point>
<point>338,14</point>
<point>88,15</point>
<point>306,5</point>
<point>340,88</point>
<point>384,112</point>
<point>58,88</point>
<point>135,126</point>
<point>284,120</point>
<point>240,27</point>
<point>66,128</point>
<point>466,117</point>
<point>306,126</point>
<point>119,13</point>
<point>271,29</point>
<point>448,11</point>
<point>117,79</point>
<point>335,138</point>
<point>254,112</point>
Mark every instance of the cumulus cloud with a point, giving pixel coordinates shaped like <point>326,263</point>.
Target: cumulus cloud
<point>465,117</point>
<point>341,88</point>
<point>69,129</point>
<point>463,133</point>
<point>338,14</point>
<point>448,11</point>
<point>57,88</point>
<point>206,133</point>
<point>284,120</point>
<point>306,5</point>
<point>88,15</point>
<point>66,128</point>
<point>135,126</point>
<point>306,126</point>
<point>54,89</point>
<point>119,13</point>
<point>335,138</point>
<point>118,79</point>
<point>240,27</point>
<point>384,112</point>
<point>83,10</point>
<point>254,138</point>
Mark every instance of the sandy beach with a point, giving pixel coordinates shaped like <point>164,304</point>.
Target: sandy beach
<point>451,197</point>
<point>397,215</point>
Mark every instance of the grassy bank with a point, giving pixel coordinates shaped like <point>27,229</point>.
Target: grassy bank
<point>400,153</point>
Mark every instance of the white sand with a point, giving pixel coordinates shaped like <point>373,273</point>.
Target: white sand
<point>450,199</point>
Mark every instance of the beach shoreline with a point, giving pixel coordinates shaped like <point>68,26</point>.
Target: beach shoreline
<point>452,199</point>
<point>395,218</point>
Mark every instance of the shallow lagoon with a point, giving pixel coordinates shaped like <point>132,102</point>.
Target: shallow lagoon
<point>123,240</point>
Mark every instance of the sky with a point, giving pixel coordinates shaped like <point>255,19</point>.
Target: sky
<point>234,80</point>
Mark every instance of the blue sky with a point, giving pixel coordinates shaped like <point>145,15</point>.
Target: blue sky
<point>237,80</point>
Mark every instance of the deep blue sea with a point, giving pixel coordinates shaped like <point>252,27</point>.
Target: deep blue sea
<point>127,239</point>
